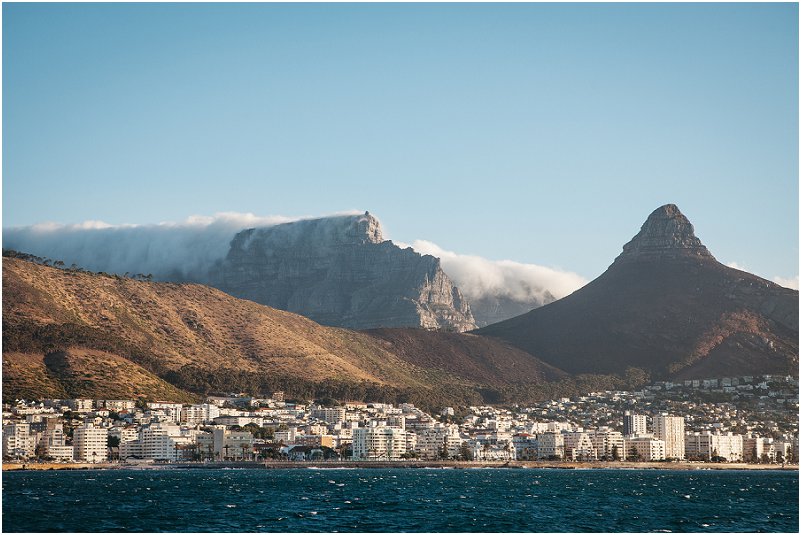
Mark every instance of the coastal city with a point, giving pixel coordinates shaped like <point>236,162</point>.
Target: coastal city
<point>750,419</point>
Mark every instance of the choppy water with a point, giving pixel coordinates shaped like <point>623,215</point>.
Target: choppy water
<point>399,500</point>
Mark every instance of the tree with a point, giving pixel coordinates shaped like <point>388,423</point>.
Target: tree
<point>465,453</point>
<point>615,453</point>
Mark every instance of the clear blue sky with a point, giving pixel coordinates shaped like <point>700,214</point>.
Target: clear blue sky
<point>539,133</point>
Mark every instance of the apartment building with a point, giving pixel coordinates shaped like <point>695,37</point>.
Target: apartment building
<point>670,429</point>
<point>379,443</point>
<point>704,446</point>
<point>90,443</point>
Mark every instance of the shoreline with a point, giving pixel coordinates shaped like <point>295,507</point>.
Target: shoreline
<point>273,465</point>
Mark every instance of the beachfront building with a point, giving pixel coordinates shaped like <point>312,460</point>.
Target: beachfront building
<point>18,441</point>
<point>379,443</point>
<point>670,429</point>
<point>526,447</point>
<point>608,444</point>
<point>579,447</point>
<point>90,443</point>
<point>645,448</point>
<point>232,444</point>
<point>550,446</point>
<point>706,446</point>
<point>438,442</point>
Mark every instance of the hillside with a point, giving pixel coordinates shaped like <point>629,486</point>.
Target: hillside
<point>666,306</point>
<point>73,333</point>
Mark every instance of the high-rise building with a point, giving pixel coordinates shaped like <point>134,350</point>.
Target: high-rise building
<point>379,443</point>
<point>634,424</point>
<point>90,443</point>
<point>670,429</point>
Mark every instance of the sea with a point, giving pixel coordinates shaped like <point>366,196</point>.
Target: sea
<point>400,500</point>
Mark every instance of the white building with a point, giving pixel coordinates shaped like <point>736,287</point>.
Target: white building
<point>550,446</point>
<point>18,441</point>
<point>634,424</point>
<point>171,410</point>
<point>645,448</point>
<point>90,443</point>
<point>330,415</point>
<point>704,446</point>
<point>438,442</point>
<point>119,405</point>
<point>670,429</point>
<point>608,443</point>
<point>199,414</point>
<point>578,446</point>
<point>379,443</point>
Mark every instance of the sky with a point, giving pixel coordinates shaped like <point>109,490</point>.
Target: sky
<point>536,133</point>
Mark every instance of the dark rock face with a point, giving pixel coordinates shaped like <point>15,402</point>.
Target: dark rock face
<point>666,306</point>
<point>665,234</point>
<point>339,271</point>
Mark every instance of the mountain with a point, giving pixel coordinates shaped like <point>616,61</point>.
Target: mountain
<point>69,333</point>
<point>665,305</point>
<point>489,309</point>
<point>340,271</point>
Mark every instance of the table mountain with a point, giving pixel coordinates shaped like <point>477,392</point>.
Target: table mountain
<point>340,271</point>
<point>667,306</point>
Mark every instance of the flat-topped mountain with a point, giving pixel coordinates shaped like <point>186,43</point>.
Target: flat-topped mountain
<point>667,306</point>
<point>340,271</point>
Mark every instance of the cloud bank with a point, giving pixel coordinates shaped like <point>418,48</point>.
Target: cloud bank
<point>185,251</point>
<point>165,250</point>
<point>479,277</point>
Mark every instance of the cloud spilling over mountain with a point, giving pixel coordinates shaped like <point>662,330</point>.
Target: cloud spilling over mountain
<point>168,251</point>
<point>501,289</point>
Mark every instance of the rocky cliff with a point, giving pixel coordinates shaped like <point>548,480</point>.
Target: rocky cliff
<point>667,306</point>
<point>340,271</point>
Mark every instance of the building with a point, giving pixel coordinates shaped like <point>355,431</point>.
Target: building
<point>670,429</point>
<point>579,447</point>
<point>330,415</point>
<point>90,443</point>
<point>232,444</point>
<point>550,446</point>
<point>379,443</point>
<point>706,446</point>
<point>645,448</point>
<point>608,444</point>
<point>171,410</point>
<point>634,424</point>
<point>438,442</point>
<point>119,405</point>
<point>53,441</point>
<point>199,414</point>
<point>18,441</point>
<point>526,447</point>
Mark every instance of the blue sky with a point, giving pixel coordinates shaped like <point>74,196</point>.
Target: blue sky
<point>541,133</point>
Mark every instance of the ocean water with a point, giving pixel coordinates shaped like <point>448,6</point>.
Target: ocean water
<point>400,500</point>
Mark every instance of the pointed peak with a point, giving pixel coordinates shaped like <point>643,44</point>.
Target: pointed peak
<point>667,233</point>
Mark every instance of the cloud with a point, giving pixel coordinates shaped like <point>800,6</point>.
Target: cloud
<point>479,277</point>
<point>787,282</point>
<point>790,282</point>
<point>167,250</point>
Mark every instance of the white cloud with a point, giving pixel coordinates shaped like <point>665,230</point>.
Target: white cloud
<point>789,282</point>
<point>478,277</point>
<point>164,249</point>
